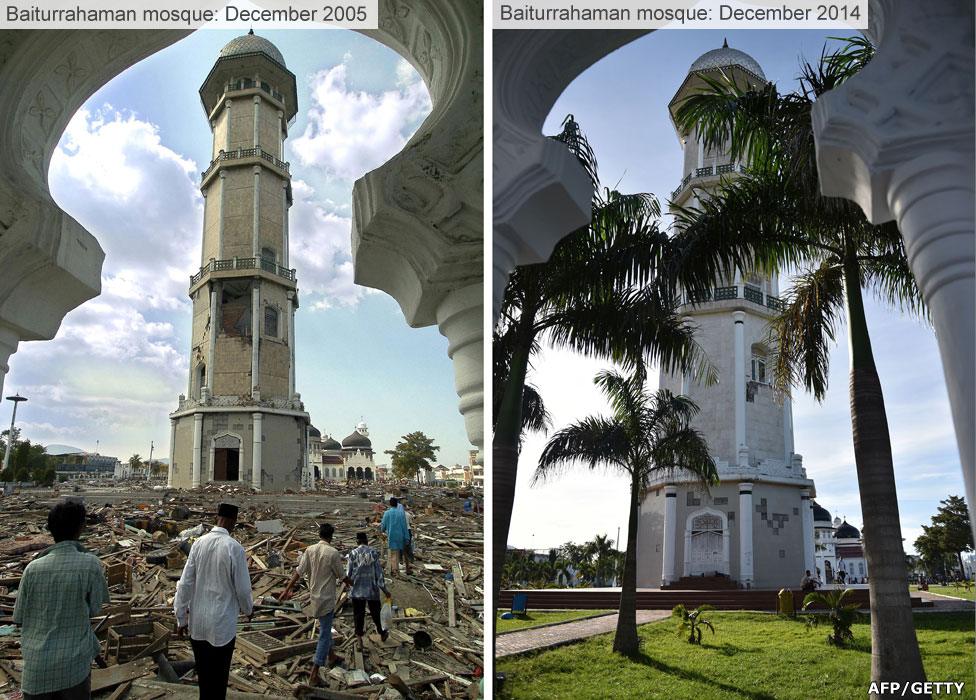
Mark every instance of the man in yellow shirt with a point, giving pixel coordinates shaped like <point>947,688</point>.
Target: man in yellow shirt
<point>321,566</point>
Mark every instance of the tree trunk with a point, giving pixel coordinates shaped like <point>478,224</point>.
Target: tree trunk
<point>505,454</point>
<point>626,640</point>
<point>895,654</point>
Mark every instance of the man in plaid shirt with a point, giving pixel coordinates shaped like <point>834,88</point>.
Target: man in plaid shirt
<point>59,593</point>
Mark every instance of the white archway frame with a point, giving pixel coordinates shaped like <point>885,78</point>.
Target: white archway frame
<point>726,538</point>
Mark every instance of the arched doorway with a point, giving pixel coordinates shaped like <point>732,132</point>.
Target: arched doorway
<point>706,543</point>
<point>350,474</point>
<point>368,474</point>
<point>227,458</point>
<point>828,572</point>
<point>359,473</point>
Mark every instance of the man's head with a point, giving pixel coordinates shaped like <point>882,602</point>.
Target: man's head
<point>66,520</point>
<point>227,516</point>
<point>394,503</point>
<point>361,538</point>
<point>325,532</point>
<point>808,572</point>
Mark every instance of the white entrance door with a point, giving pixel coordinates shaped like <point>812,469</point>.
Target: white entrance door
<point>707,553</point>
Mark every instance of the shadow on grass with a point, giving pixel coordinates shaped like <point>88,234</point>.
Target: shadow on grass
<point>645,660</point>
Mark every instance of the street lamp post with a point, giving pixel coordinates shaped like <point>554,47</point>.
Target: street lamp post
<point>149,468</point>
<point>17,398</point>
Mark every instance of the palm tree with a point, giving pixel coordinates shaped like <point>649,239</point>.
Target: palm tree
<point>772,218</point>
<point>647,435</point>
<point>593,296</point>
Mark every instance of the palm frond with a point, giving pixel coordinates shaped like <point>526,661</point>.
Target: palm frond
<point>804,332</point>
<point>594,441</point>
<point>535,417</point>
<point>572,135</point>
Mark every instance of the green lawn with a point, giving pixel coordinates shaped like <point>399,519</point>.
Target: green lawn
<point>534,618</point>
<point>954,591</point>
<point>752,656</point>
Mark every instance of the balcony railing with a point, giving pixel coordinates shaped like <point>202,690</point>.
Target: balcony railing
<point>243,264</point>
<point>247,84</point>
<point>749,293</point>
<point>707,171</point>
<point>242,153</point>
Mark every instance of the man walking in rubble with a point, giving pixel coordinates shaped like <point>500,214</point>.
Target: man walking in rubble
<point>365,573</point>
<point>394,524</point>
<point>59,593</point>
<point>214,588</point>
<point>321,565</point>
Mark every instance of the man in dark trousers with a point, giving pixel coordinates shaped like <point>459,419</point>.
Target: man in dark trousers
<point>215,587</point>
<point>59,593</point>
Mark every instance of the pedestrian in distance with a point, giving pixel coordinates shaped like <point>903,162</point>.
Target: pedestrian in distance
<point>365,574</point>
<point>213,590</point>
<point>321,566</point>
<point>394,524</point>
<point>59,593</point>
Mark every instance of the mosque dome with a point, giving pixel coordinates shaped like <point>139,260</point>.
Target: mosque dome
<point>331,443</point>
<point>820,514</point>
<point>314,432</point>
<point>726,58</point>
<point>356,439</point>
<point>846,531</point>
<point>252,43</point>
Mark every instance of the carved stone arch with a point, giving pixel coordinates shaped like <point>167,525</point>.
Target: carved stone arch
<point>417,231</point>
<point>696,526</point>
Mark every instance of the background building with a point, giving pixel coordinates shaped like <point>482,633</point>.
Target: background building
<point>241,419</point>
<point>357,455</point>
<point>756,527</point>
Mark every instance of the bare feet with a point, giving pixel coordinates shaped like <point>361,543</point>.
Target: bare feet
<point>313,676</point>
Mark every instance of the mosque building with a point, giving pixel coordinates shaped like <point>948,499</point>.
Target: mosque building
<point>357,455</point>
<point>756,528</point>
<point>241,419</point>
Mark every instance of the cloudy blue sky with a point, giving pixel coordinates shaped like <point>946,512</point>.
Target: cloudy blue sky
<point>128,168</point>
<point>621,103</point>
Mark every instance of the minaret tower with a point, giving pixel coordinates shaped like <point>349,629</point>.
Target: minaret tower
<point>241,419</point>
<point>756,527</point>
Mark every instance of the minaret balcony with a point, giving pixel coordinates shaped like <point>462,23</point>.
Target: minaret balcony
<point>747,292</point>
<point>250,155</point>
<point>232,265</point>
<point>705,176</point>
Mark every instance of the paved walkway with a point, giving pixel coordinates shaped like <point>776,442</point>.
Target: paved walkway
<point>556,635</point>
<point>943,603</point>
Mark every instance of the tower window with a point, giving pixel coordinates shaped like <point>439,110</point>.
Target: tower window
<point>271,321</point>
<point>759,369</point>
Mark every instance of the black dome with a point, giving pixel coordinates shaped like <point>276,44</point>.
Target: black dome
<point>314,432</point>
<point>846,531</point>
<point>356,439</point>
<point>820,513</point>
<point>331,443</point>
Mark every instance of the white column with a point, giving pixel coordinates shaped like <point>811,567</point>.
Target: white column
<point>809,552</point>
<point>172,453</point>
<point>284,225</point>
<point>197,446</point>
<point>222,215</point>
<point>256,226</point>
<point>745,534</point>
<point>668,574</point>
<point>281,135</point>
<point>8,346</point>
<point>203,248</point>
<point>460,319</point>
<point>211,470</point>
<point>787,429</point>
<point>291,346</point>
<point>739,384</point>
<point>212,347</point>
<point>258,438</point>
<point>227,106</point>
<point>917,171</point>
<point>255,339</point>
<point>257,110</point>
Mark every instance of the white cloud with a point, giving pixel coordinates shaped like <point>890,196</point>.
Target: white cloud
<point>321,250</point>
<point>350,132</point>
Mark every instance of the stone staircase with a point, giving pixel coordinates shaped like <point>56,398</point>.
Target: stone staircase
<point>702,583</point>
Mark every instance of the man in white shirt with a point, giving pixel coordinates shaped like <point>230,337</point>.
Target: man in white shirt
<point>214,588</point>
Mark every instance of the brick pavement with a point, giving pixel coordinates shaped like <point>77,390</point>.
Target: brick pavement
<point>556,635</point>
